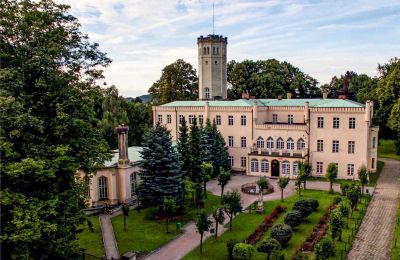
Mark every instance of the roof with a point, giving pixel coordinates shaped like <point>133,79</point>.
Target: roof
<point>314,102</point>
<point>133,154</point>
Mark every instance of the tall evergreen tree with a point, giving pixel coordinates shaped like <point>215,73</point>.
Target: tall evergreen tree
<point>219,151</point>
<point>160,174</point>
<point>183,148</point>
<point>195,152</point>
<point>48,130</point>
<point>207,143</point>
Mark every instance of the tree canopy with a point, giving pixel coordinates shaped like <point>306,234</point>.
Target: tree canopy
<point>48,128</point>
<point>178,81</point>
<point>268,79</point>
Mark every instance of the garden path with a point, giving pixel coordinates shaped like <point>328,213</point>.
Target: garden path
<point>190,239</point>
<point>107,233</point>
<point>374,238</point>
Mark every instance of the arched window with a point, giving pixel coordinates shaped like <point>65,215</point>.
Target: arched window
<point>290,144</point>
<point>270,143</point>
<point>373,142</point>
<point>300,144</point>
<point>254,165</point>
<point>260,142</point>
<point>204,50</point>
<point>103,194</point>
<point>264,166</point>
<point>295,168</point>
<point>208,50</point>
<point>280,144</point>
<point>207,93</point>
<point>133,183</point>
<point>286,167</point>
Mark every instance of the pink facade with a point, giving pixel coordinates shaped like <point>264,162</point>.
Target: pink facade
<point>268,137</point>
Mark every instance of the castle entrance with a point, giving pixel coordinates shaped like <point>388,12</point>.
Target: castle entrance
<point>275,168</point>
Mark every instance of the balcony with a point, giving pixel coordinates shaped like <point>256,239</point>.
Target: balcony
<point>285,126</point>
<point>279,152</point>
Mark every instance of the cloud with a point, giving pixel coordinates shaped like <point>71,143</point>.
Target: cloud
<point>322,38</point>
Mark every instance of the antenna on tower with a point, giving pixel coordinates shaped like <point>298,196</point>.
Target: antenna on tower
<point>213,19</point>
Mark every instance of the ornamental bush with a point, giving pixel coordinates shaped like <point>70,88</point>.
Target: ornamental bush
<point>304,207</point>
<point>242,251</point>
<point>314,204</point>
<point>229,246</point>
<point>344,187</point>
<point>282,233</point>
<point>337,200</point>
<point>293,218</point>
<point>268,245</point>
<point>324,249</point>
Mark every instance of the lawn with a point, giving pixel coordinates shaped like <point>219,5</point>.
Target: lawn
<point>145,234</point>
<point>244,224</point>
<point>92,241</point>
<point>387,149</point>
<point>396,239</point>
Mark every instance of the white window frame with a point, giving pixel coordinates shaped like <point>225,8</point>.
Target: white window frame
<point>301,144</point>
<point>320,145</point>
<point>286,167</point>
<point>191,118</point>
<point>352,123</point>
<point>231,160</point>
<point>103,189</point>
<point>230,120</point>
<point>336,122</point>
<point>181,119</point>
<point>290,119</point>
<point>169,119</point>
<point>243,120</point>
<point>270,143</point>
<point>230,141</point>
<point>264,166</point>
<point>290,144</point>
<point>335,146</point>
<point>351,147</point>
<point>350,169</point>
<point>243,142</point>
<point>254,165</point>
<point>320,167</point>
<point>295,168</point>
<point>133,182</point>
<point>207,93</point>
<point>274,118</point>
<point>218,120</point>
<point>260,142</point>
<point>320,122</point>
<point>159,119</point>
<point>280,144</point>
<point>243,161</point>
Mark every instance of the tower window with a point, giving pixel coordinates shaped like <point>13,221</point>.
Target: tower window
<point>204,50</point>
<point>215,62</point>
<point>217,50</point>
<point>206,93</point>
<point>214,52</point>
<point>208,50</point>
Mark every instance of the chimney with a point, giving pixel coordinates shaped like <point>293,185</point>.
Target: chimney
<point>122,135</point>
<point>280,97</point>
<point>324,93</point>
<point>289,95</point>
<point>342,96</point>
<point>245,95</point>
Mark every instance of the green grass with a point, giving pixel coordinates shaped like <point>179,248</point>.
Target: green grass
<point>387,149</point>
<point>244,224</point>
<point>145,234</point>
<point>92,242</point>
<point>373,176</point>
<point>395,252</point>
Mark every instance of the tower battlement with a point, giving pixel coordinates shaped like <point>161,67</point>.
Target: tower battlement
<point>212,38</point>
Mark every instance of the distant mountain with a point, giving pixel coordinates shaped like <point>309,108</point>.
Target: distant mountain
<point>144,98</point>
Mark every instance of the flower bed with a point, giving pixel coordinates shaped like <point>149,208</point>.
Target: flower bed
<point>252,189</point>
<point>318,232</point>
<point>267,223</point>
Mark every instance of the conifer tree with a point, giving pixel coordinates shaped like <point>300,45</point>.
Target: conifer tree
<point>161,175</point>
<point>219,151</point>
<point>207,143</point>
<point>194,152</point>
<point>183,148</point>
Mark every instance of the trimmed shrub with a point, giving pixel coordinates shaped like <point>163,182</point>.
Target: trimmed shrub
<point>242,251</point>
<point>268,245</point>
<point>293,218</point>
<point>344,187</point>
<point>282,233</point>
<point>324,249</point>
<point>304,207</point>
<point>337,200</point>
<point>314,204</point>
<point>229,246</point>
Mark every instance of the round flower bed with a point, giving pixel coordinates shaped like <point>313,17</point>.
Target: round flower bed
<point>252,188</point>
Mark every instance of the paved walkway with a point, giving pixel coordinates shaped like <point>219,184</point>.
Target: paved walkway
<point>374,238</point>
<point>190,239</point>
<point>107,233</point>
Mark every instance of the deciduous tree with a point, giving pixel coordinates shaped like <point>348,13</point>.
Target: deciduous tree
<point>223,178</point>
<point>282,183</point>
<point>331,175</point>
<point>203,224</point>
<point>219,218</point>
<point>363,177</point>
<point>232,205</point>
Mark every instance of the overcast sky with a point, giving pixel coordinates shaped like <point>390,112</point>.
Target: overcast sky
<point>322,38</point>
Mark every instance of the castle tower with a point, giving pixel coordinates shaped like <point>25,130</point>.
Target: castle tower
<point>122,134</point>
<point>212,67</point>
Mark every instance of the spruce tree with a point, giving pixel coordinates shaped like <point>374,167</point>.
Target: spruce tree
<point>183,148</point>
<point>207,143</point>
<point>160,174</point>
<point>194,152</point>
<point>219,151</point>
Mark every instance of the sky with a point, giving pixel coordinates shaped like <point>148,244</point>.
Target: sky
<point>322,38</point>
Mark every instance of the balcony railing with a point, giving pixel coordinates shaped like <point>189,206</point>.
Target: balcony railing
<point>279,152</point>
<point>270,125</point>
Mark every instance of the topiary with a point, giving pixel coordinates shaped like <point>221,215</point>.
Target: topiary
<point>242,251</point>
<point>268,245</point>
<point>344,187</point>
<point>304,207</point>
<point>324,249</point>
<point>282,233</point>
<point>314,204</point>
<point>293,218</point>
<point>229,246</point>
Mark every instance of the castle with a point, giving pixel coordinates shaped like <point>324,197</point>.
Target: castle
<point>267,137</point>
